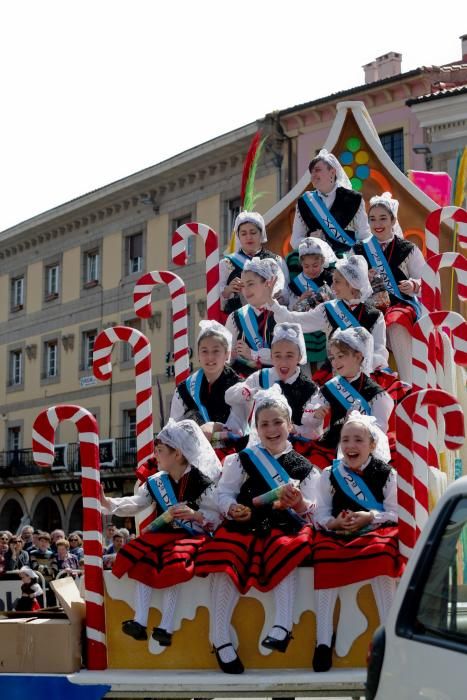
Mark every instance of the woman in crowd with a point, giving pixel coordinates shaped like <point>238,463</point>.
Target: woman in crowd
<point>16,557</point>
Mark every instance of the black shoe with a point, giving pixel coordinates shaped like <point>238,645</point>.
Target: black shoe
<point>322,658</point>
<point>278,644</point>
<point>234,666</point>
<point>162,636</point>
<point>134,629</point>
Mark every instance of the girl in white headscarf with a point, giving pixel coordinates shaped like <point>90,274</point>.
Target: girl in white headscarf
<point>202,395</point>
<point>399,263</point>
<point>250,237</point>
<point>261,543</point>
<point>288,355</point>
<point>350,352</point>
<point>334,211</point>
<point>252,325</point>
<point>182,494</point>
<point>351,288</point>
<point>357,539</point>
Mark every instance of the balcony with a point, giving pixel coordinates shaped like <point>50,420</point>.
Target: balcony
<point>117,457</point>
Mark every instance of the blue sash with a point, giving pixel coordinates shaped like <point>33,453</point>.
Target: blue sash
<point>238,259</point>
<point>161,490</point>
<point>268,466</point>
<point>353,486</point>
<point>193,385</point>
<point>325,219</point>
<point>347,395</point>
<point>304,284</point>
<point>378,261</point>
<point>249,324</point>
<point>265,378</point>
<point>341,314</point>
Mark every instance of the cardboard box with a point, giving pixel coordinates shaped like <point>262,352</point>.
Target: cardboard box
<point>37,644</point>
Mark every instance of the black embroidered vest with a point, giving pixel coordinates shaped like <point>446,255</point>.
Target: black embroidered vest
<point>374,475</point>
<point>344,208</point>
<point>212,397</point>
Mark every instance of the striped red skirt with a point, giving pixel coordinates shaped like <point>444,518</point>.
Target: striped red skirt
<point>254,560</point>
<point>339,560</point>
<point>159,559</point>
<point>403,314</point>
<point>316,452</point>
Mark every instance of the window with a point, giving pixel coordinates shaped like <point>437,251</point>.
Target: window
<point>134,253</point>
<point>89,338</point>
<point>14,438</point>
<point>51,359</point>
<point>129,426</point>
<point>393,144</point>
<point>231,211</point>
<point>191,242</point>
<point>16,367</point>
<point>91,268</point>
<point>17,293</point>
<point>52,273</point>
<point>127,352</point>
<point>435,608</point>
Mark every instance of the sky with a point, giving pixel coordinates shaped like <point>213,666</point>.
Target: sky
<point>92,91</point>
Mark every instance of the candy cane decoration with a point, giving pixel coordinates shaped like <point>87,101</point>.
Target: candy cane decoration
<point>211,246</point>
<point>431,283</point>
<point>412,471</point>
<point>43,445</point>
<point>102,369</point>
<point>433,225</point>
<point>142,304</point>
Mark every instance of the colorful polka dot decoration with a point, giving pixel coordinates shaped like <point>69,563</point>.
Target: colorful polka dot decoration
<point>354,161</point>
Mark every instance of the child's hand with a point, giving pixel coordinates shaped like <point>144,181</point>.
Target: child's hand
<point>406,286</point>
<point>239,512</point>
<point>104,501</point>
<point>305,295</point>
<point>235,286</point>
<point>358,520</point>
<point>321,412</point>
<point>183,512</point>
<point>243,349</point>
<point>291,497</point>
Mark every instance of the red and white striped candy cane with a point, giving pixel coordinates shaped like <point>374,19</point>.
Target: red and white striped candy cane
<point>431,283</point>
<point>433,225</point>
<point>142,304</point>
<point>102,369</point>
<point>412,471</point>
<point>43,445</point>
<point>211,246</point>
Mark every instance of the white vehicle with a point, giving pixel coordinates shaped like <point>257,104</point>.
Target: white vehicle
<point>421,652</point>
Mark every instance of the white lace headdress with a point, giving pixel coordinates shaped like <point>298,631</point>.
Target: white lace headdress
<point>268,269</point>
<point>213,328</point>
<point>391,205</point>
<point>381,450</point>
<point>293,333</point>
<point>188,437</point>
<point>358,339</point>
<point>355,270</point>
<point>341,178</point>
<point>315,246</point>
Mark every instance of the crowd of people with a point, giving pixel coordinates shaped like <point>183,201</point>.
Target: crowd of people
<point>279,449</point>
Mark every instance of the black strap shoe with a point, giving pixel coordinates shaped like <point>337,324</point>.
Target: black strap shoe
<point>234,666</point>
<point>278,644</point>
<point>162,636</point>
<point>322,658</point>
<point>135,630</point>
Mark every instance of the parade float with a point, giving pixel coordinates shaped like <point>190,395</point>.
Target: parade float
<point>429,433</point>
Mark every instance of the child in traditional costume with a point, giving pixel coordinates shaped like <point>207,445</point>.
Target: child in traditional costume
<point>311,287</point>
<point>252,325</point>
<point>250,236</point>
<point>351,288</point>
<point>260,546</point>
<point>201,396</point>
<point>399,263</point>
<point>288,355</point>
<point>350,352</point>
<point>182,494</point>
<point>357,539</point>
<point>30,591</point>
<point>333,211</point>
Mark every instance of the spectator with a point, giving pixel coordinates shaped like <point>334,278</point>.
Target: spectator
<point>56,535</point>
<point>111,552</point>
<point>110,530</point>
<point>64,560</point>
<point>15,557</point>
<point>125,534</point>
<point>27,537</point>
<point>42,558</point>
<point>76,545</point>
<point>35,538</point>
<point>4,539</point>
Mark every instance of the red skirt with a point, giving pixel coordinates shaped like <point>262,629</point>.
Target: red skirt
<point>254,560</point>
<point>159,559</point>
<point>340,561</point>
<point>403,314</point>
<point>316,453</point>
<point>35,605</point>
